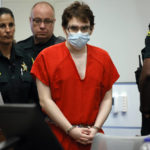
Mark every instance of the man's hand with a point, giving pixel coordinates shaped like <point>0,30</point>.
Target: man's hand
<point>83,135</point>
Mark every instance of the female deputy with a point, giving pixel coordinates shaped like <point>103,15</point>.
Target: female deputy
<point>16,84</point>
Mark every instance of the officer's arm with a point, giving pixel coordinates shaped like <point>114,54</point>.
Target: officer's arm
<point>145,87</point>
<point>145,74</point>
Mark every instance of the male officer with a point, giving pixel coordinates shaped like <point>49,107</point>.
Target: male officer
<point>42,22</point>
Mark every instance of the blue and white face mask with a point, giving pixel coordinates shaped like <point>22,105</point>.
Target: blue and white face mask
<point>79,39</point>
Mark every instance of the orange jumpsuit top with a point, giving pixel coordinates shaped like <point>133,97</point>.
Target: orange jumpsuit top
<point>78,99</point>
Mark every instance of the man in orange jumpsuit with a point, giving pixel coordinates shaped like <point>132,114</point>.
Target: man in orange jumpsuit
<point>74,81</point>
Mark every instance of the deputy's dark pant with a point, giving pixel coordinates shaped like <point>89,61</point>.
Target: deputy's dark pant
<point>145,130</point>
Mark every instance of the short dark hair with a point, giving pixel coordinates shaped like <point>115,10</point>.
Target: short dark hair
<point>80,11</point>
<point>4,10</point>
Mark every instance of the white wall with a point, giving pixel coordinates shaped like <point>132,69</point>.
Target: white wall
<point>121,27</point>
<point>125,117</point>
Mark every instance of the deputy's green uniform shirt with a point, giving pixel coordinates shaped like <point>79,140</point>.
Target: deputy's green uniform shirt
<point>16,82</point>
<point>33,50</point>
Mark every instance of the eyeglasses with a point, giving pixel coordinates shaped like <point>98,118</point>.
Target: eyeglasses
<point>77,28</point>
<point>38,21</point>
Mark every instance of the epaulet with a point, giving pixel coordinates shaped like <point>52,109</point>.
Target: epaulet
<point>59,39</point>
<point>148,34</point>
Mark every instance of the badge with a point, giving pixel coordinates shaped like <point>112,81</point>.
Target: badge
<point>24,66</point>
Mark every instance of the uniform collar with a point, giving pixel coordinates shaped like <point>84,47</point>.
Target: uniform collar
<point>51,40</point>
<point>30,42</point>
<point>14,52</point>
